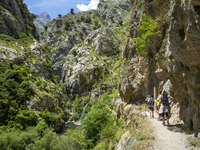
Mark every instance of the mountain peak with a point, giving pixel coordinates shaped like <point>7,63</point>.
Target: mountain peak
<point>45,16</point>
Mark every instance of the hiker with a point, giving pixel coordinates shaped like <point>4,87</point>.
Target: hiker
<point>157,106</point>
<point>164,106</point>
<point>151,106</point>
<point>147,101</point>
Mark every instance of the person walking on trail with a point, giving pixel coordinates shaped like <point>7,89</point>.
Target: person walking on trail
<point>151,106</point>
<point>147,101</point>
<point>157,105</point>
<point>164,106</point>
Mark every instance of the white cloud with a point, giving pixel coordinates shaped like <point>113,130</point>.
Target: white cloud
<point>92,5</point>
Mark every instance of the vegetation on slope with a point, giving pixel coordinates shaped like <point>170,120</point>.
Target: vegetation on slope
<point>39,27</point>
<point>22,127</point>
<point>20,86</point>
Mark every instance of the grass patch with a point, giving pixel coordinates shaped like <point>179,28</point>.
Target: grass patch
<point>188,130</point>
<point>115,94</point>
<point>194,142</point>
<point>143,132</point>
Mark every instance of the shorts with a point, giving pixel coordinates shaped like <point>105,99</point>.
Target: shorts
<point>157,107</point>
<point>165,114</point>
<point>151,108</point>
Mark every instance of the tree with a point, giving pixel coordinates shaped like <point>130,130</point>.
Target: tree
<point>72,11</point>
<point>87,19</point>
<point>45,27</point>
<point>97,118</point>
<point>59,15</point>
<point>120,22</point>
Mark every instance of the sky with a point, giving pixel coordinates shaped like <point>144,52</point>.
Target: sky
<point>55,7</point>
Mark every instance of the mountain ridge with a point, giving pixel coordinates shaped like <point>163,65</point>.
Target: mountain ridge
<point>41,21</point>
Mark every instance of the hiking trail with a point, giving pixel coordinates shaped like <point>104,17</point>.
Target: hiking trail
<point>168,138</point>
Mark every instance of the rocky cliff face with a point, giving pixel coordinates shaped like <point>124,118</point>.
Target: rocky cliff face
<point>85,43</point>
<point>16,19</point>
<point>175,55</point>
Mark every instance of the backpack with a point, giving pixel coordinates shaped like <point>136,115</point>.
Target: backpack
<point>165,99</point>
<point>151,101</point>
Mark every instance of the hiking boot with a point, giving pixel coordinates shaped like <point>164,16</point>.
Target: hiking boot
<point>163,123</point>
<point>168,123</point>
<point>159,118</point>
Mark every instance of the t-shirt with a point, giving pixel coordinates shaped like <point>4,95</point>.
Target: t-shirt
<point>158,99</point>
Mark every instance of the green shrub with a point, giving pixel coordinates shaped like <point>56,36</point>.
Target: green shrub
<point>70,29</point>
<point>74,139</point>
<point>50,141</point>
<point>72,11</point>
<point>15,90</point>
<point>194,142</point>
<point>23,35</point>
<point>96,22</point>
<point>80,34</point>
<point>82,18</point>
<point>19,140</point>
<point>67,23</point>
<point>120,22</point>
<point>128,9</point>
<point>94,121</point>
<point>51,118</point>
<point>78,20</point>
<point>29,29</point>
<point>26,118</point>
<point>83,29</point>
<point>98,26</point>
<point>94,28</point>
<point>87,19</point>
<point>104,16</point>
<point>74,52</point>
<point>41,127</point>
<point>140,136</point>
<point>148,28</point>
<point>46,48</point>
<point>132,1</point>
<point>139,4</point>
<point>77,107</point>
<point>45,27</point>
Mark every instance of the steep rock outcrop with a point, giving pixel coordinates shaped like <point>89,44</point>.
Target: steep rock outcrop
<point>177,54</point>
<point>83,67</point>
<point>81,48</point>
<point>113,11</point>
<point>16,18</point>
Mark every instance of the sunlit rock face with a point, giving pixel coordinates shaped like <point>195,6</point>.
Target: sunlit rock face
<point>178,57</point>
<point>75,43</point>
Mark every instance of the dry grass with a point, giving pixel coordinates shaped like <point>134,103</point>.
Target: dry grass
<point>142,130</point>
<point>195,142</point>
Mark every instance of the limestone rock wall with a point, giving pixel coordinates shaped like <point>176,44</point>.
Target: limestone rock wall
<point>15,18</point>
<point>177,56</point>
<point>82,49</point>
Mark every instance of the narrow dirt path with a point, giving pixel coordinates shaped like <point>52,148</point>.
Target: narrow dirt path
<point>168,138</point>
